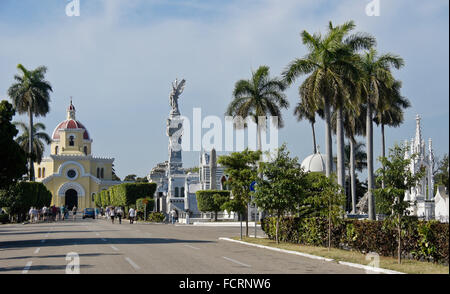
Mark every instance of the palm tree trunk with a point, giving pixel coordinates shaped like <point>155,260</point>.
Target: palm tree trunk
<point>314,138</point>
<point>30,144</point>
<point>340,149</point>
<point>369,143</point>
<point>352,174</point>
<point>383,150</point>
<point>328,147</point>
<point>399,232</point>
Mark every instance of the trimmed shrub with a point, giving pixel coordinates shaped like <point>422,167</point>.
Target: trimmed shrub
<point>126,194</point>
<point>156,217</point>
<point>420,240</point>
<point>4,218</point>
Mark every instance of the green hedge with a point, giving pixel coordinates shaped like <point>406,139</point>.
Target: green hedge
<point>127,194</point>
<point>420,240</point>
<point>23,195</point>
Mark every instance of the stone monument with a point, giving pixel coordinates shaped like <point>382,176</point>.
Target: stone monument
<point>213,169</point>
<point>175,128</point>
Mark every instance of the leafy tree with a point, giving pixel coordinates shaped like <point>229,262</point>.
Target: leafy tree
<point>141,180</point>
<point>280,189</point>
<point>397,178</point>
<point>12,157</point>
<point>325,198</point>
<point>39,138</point>
<point>441,176</point>
<point>241,168</point>
<point>136,179</point>
<point>31,94</point>
<point>114,176</point>
<point>130,178</point>
<point>195,169</point>
<point>212,200</point>
<point>23,195</point>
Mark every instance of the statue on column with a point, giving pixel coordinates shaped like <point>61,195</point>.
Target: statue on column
<point>177,89</point>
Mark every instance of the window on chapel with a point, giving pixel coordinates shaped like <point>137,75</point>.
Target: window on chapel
<point>71,141</point>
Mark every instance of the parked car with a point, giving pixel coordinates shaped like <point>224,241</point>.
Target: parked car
<point>88,212</point>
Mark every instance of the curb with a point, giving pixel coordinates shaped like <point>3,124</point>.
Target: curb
<point>371,268</point>
<point>356,265</point>
<point>278,249</point>
<point>223,224</point>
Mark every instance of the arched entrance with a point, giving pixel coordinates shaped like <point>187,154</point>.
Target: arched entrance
<point>71,198</point>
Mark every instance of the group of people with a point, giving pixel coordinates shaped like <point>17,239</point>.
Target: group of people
<point>113,212</point>
<point>52,213</point>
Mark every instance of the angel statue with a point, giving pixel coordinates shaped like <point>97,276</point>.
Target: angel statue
<point>177,89</point>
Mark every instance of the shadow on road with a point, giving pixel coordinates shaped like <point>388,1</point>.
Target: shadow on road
<point>40,268</point>
<point>54,232</point>
<point>59,256</point>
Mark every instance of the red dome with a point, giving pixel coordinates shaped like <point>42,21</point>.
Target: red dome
<point>70,124</point>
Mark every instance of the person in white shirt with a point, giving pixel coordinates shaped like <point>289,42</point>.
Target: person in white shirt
<point>31,213</point>
<point>112,214</point>
<point>131,215</point>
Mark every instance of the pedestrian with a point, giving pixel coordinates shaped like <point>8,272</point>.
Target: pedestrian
<point>112,213</point>
<point>108,211</point>
<point>66,210</point>
<point>63,213</point>
<point>173,215</point>
<point>53,213</point>
<point>131,214</point>
<point>74,212</point>
<point>44,213</point>
<point>30,212</point>
<point>119,213</point>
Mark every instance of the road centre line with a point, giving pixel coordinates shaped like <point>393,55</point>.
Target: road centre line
<point>27,267</point>
<point>192,247</point>
<point>135,266</point>
<point>237,262</point>
<point>114,247</point>
<point>37,250</point>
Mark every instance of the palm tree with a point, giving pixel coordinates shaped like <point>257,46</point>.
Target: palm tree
<point>31,94</point>
<point>38,139</point>
<point>355,158</point>
<point>303,111</point>
<point>377,76</point>
<point>389,111</point>
<point>331,66</point>
<point>259,96</point>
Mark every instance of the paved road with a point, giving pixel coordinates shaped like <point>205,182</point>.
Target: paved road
<point>105,248</point>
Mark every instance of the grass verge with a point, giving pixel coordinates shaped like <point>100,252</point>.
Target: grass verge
<point>407,266</point>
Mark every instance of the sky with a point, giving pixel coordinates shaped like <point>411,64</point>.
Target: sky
<point>119,57</point>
